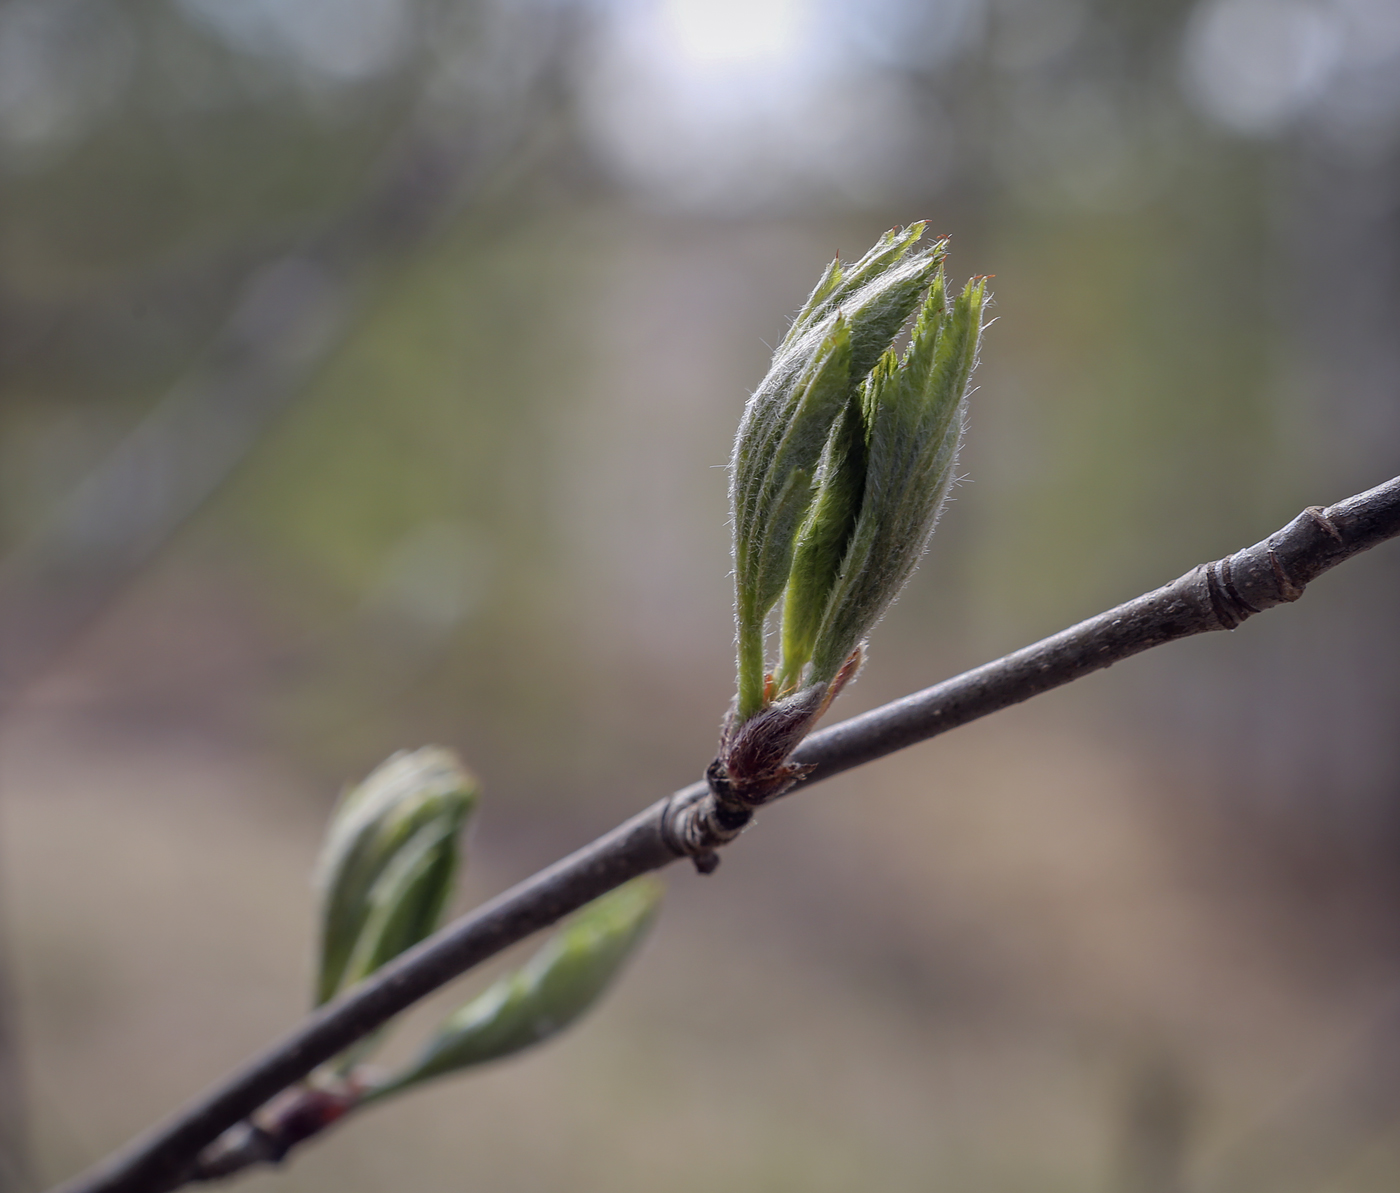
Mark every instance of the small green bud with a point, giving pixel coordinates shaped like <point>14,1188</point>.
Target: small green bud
<point>555,987</point>
<point>389,861</point>
<point>843,460</point>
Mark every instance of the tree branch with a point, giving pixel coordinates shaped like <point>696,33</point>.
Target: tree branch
<point>1213,596</point>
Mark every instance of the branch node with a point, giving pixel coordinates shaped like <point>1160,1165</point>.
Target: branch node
<point>1319,516</point>
<point>698,821</point>
<point>707,862</point>
<point>289,1119</point>
<point>1288,588</point>
<point>1229,607</point>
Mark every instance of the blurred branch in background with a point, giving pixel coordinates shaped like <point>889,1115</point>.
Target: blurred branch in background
<point>130,505</point>
<point>290,314</point>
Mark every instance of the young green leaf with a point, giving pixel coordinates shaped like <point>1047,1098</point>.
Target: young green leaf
<point>774,463</point>
<point>914,410</point>
<point>555,987</point>
<point>821,543</point>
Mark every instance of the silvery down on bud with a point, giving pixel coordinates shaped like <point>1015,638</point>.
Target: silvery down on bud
<point>539,1000</point>
<point>388,866</point>
<point>843,459</point>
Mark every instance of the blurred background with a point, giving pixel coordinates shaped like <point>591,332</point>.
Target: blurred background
<point>367,370</point>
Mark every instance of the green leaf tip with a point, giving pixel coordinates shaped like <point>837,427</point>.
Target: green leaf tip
<point>844,457</point>
<point>389,862</point>
<point>546,995</point>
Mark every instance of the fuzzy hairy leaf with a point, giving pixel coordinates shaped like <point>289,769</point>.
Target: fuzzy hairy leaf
<point>786,491</point>
<point>914,411</point>
<point>842,281</point>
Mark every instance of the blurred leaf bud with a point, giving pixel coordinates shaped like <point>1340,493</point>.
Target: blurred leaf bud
<point>390,858</point>
<point>557,985</point>
<point>843,460</point>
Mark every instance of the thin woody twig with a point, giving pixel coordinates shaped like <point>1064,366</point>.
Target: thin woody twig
<point>1213,596</point>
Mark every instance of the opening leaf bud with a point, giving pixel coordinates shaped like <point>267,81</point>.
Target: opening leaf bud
<point>851,318</point>
<point>844,458</point>
<point>388,865</point>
